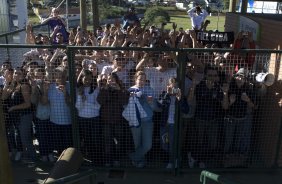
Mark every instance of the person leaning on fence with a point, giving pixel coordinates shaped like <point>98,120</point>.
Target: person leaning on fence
<point>197,16</point>
<point>90,128</point>
<point>9,124</point>
<point>20,112</point>
<point>139,114</point>
<point>56,93</point>
<point>238,119</point>
<point>42,116</point>
<point>112,98</point>
<point>209,103</point>
<point>168,100</point>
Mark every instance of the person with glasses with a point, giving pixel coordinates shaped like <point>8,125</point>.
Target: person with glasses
<point>209,107</point>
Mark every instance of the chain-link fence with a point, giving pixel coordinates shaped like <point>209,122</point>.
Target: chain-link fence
<point>144,107</point>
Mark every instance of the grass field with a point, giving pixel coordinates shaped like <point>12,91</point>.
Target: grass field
<point>185,22</point>
<point>180,17</point>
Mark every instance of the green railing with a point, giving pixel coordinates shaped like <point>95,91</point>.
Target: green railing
<point>216,178</point>
<point>90,174</point>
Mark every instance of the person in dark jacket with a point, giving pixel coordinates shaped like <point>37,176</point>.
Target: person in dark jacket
<point>112,98</point>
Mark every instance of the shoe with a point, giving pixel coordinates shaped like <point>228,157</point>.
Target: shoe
<point>51,158</point>
<point>18,156</point>
<point>169,166</point>
<point>44,159</point>
<point>191,160</point>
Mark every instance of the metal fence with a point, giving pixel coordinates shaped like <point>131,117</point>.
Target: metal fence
<point>154,108</point>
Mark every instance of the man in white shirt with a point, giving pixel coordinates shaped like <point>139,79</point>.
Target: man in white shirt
<point>197,16</point>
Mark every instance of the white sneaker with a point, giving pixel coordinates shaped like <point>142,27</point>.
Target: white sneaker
<point>51,158</point>
<point>18,156</point>
<point>191,160</point>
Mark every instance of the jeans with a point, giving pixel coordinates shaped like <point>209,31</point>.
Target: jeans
<point>25,132</point>
<point>142,137</point>
<point>237,134</point>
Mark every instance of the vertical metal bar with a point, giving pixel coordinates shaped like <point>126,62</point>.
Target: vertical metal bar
<point>178,137</point>
<point>72,80</point>
<point>278,146</point>
<point>7,42</point>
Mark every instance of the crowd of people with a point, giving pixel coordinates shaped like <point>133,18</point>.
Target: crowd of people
<point>126,100</point>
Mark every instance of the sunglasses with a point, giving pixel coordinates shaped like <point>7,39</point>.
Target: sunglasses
<point>59,35</point>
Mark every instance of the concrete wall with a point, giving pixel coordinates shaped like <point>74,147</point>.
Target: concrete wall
<point>267,129</point>
<point>270,27</point>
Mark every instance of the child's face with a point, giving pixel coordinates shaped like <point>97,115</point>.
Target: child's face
<point>111,80</point>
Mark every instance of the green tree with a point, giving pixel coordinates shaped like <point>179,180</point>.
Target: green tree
<point>156,15</point>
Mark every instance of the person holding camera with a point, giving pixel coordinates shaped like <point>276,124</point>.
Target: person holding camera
<point>197,16</point>
<point>168,100</point>
<point>142,130</point>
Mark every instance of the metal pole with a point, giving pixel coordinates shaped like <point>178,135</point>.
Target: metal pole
<point>232,6</point>
<point>67,14</point>
<point>244,6</point>
<point>5,166</point>
<point>277,154</point>
<point>179,125</point>
<point>72,80</point>
<point>83,20</point>
<point>95,11</point>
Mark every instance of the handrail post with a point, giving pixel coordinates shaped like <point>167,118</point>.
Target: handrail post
<point>75,132</point>
<point>178,136</point>
<point>7,42</point>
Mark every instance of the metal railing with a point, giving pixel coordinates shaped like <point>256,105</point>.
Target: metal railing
<point>216,178</point>
<point>179,164</point>
<point>90,174</point>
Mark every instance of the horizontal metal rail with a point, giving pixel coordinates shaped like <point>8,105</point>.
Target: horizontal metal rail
<point>75,178</point>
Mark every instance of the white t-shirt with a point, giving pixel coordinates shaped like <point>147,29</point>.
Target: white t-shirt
<point>197,20</point>
<point>159,80</point>
<point>89,108</point>
<point>123,75</point>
